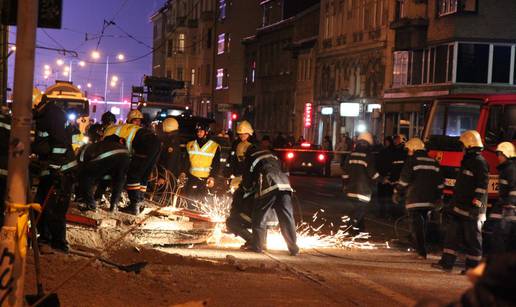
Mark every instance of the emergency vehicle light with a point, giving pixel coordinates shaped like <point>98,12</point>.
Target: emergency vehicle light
<point>290,155</point>
<point>321,157</point>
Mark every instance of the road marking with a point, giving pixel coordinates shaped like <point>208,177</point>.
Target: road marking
<point>398,297</point>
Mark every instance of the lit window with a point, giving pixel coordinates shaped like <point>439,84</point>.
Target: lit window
<point>222,9</point>
<point>400,68</point>
<point>253,72</point>
<point>220,78</point>
<point>221,43</point>
<point>181,43</point>
<point>447,7</point>
<point>193,76</point>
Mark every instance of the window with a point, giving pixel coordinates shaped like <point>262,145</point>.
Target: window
<point>207,78</point>
<point>472,63</point>
<point>253,71</point>
<point>179,75</point>
<point>501,125</point>
<point>221,43</point>
<point>441,57</point>
<point>400,68</point>
<point>400,9</point>
<point>501,64</point>
<point>447,7</point>
<point>181,43</point>
<point>208,38</point>
<point>220,78</point>
<point>454,119</point>
<point>222,9</point>
<point>193,76</point>
<point>169,48</point>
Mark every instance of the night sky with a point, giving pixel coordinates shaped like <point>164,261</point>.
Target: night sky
<point>81,17</point>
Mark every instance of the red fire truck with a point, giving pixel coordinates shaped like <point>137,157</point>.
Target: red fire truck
<point>492,115</point>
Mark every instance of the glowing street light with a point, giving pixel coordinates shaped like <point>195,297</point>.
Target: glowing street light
<point>114,79</point>
<point>113,84</point>
<point>67,68</point>
<point>120,57</point>
<point>82,63</point>
<point>88,85</point>
<point>95,55</point>
<point>79,86</point>
<point>13,48</point>
<point>60,62</point>
<point>65,73</point>
<point>46,67</point>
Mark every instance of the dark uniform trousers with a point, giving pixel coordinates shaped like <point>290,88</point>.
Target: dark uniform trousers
<point>281,203</point>
<point>146,152</point>
<point>196,188</point>
<point>418,222</point>
<point>239,220</point>
<point>91,172</point>
<point>466,232</point>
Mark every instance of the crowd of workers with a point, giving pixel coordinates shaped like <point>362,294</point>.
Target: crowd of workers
<point>126,153</point>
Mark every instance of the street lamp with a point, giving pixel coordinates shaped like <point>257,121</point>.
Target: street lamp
<point>88,85</point>
<point>60,62</point>
<point>96,55</point>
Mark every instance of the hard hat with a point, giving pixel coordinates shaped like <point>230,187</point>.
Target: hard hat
<point>366,136</point>
<point>244,127</point>
<point>202,126</point>
<point>471,138</point>
<point>108,118</point>
<point>170,125</point>
<point>507,149</point>
<point>415,144</point>
<point>134,114</point>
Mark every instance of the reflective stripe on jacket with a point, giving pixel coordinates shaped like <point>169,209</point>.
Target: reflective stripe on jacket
<point>124,131</point>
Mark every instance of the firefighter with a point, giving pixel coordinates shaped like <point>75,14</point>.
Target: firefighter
<point>271,188</point>
<point>135,117</point>
<point>399,155</point>
<point>171,154</point>
<point>5,132</point>
<point>359,176</point>
<point>53,145</point>
<point>468,207</point>
<point>144,147</point>
<point>96,131</point>
<point>239,220</point>
<point>108,157</point>
<point>202,163</point>
<point>503,214</point>
<point>422,183</point>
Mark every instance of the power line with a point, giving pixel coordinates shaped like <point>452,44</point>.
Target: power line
<point>132,37</point>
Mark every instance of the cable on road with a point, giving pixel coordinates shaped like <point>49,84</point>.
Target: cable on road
<point>325,254</point>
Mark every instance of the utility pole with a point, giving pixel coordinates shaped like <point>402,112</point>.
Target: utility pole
<point>13,236</point>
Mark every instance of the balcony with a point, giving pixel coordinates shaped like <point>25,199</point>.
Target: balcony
<point>410,33</point>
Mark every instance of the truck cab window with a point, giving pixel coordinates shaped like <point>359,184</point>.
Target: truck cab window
<point>501,125</point>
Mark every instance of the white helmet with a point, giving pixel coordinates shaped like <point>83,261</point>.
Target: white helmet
<point>415,144</point>
<point>366,136</point>
<point>507,149</point>
<point>170,125</point>
<point>471,138</point>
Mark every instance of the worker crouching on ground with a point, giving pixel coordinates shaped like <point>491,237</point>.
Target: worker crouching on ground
<point>359,176</point>
<point>239,220</point>
<point>503,214</point>
<point>468,207</point>
<point>202,163</point>
<point>272,190</point>
<point>144,147</point>
<point>421,183</point>
<point>108,157</point>
<point>54,149</point>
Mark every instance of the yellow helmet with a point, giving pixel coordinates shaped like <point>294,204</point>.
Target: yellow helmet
<point>134,114</point>
<point>244,127</point>
<point>415,144</point>
<point>471,138</point>
<point>507,149</point>
<point>170,125</point>
<point>366,136</point>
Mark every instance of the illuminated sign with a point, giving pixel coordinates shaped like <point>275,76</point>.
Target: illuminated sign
<point>371,107</point>
<point>349,109</point>
<point>308,115</point>
<point>326,110</point>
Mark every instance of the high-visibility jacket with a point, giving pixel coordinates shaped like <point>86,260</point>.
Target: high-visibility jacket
<point>124,131</point>
<point>201,158</point>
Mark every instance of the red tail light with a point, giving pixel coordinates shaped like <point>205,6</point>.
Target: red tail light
<point>321,157</point>
<point>290,155</point>
<point>305,144</point>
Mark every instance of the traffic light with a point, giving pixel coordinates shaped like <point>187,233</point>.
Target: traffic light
<point>234,116</point>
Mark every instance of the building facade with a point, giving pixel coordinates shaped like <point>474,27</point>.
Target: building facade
<point>278,75</point>
<point>184,43</point>
<point>353,56</point>
<point>447,47</point>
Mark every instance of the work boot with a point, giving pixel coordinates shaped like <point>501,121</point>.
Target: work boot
<point>294,251</point>
<point>113,208</point>
<point>60,247</point>
<point>441,267</point>
<point>133,208</point>
<point>88,207</point>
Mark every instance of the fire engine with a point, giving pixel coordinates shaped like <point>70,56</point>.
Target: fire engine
<point>492,115</point>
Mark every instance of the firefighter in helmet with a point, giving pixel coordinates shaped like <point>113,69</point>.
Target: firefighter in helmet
<point>202,164</point>
<point>171,153</point>
<point>239,219</point>
<point>144,147</point>
<point>135,117</point>
<point>503,214</point>
<point>468,207</point>
<point>53,145</point>
<point>421,182</point>
<point>359,176</point>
